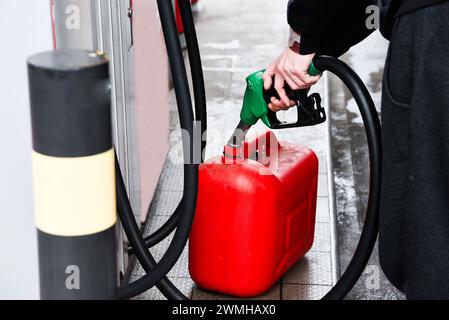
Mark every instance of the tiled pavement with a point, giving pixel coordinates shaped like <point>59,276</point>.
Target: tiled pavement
<point>236,39</point>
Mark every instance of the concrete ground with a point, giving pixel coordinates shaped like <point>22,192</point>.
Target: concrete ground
<point>238,38</point>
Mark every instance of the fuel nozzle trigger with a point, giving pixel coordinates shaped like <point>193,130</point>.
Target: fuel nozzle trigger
<point>256,100</point>
<point>309,109</point>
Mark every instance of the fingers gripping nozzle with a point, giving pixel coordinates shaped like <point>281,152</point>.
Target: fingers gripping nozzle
<point>256,100</point>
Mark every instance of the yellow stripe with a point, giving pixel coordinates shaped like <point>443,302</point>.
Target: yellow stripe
<point>74,196</point>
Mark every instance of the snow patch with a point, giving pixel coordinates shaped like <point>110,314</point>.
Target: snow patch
<point>353,108</point>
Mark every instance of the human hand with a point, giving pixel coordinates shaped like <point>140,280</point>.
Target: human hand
<point>291,68</point>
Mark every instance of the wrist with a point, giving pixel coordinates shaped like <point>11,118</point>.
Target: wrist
<point>294,41</point>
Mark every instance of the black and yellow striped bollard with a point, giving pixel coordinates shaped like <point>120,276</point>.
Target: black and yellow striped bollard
<point>73,174</point>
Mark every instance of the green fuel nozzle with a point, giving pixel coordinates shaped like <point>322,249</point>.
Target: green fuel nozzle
<point>313,71</point>
<point>255,107</point>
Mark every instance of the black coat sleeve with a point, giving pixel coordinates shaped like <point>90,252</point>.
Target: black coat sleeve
<point>329,26</point>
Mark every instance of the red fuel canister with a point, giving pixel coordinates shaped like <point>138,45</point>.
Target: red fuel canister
<point>255,215</point>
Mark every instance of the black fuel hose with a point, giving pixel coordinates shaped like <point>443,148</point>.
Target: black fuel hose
<point>373,132</point>
<point>196,69</point>
<point>133,232</point>
<point>199,91</point>
<point>157,272</point>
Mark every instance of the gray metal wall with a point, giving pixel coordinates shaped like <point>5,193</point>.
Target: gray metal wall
<point>106,27</point>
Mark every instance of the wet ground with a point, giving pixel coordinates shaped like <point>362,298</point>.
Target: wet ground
<point>350,159</point>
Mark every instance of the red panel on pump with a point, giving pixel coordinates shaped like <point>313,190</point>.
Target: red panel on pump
<point>179,23</point>
<point>255,217</point>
